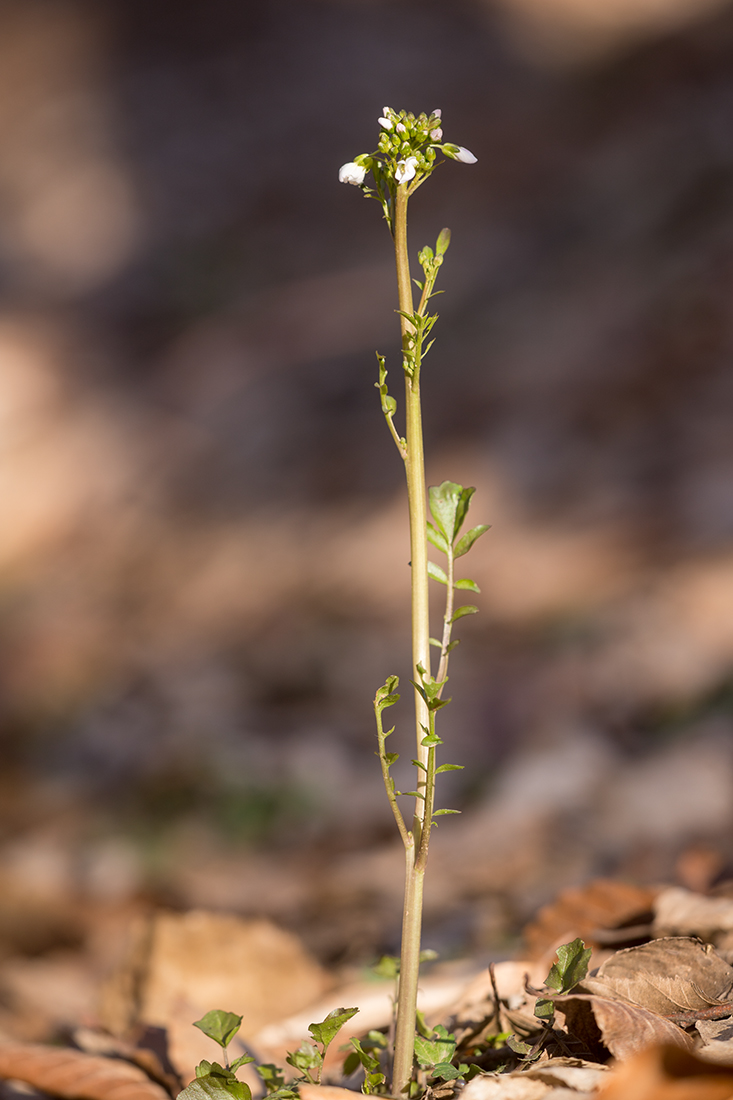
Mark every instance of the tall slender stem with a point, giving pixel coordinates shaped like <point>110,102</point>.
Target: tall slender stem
<point>415,472</point>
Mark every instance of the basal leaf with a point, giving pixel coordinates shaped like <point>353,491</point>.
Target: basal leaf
<point>571,966</point>
<point>220,1026</point>
<point>327,1029</point>
<point>214,1087</point>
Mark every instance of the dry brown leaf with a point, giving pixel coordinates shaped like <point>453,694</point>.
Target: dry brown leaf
<point>668,1073</point>
<point>602,904</point>
<point>717,1041</point>
<point>75,1075</point>
<point>623,1029</point>
<point>679,912</point>
<point>666,976</point>
<point>325,1092</point>
<point>567,1077</point>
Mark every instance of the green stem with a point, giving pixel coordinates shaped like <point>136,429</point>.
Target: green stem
<point>415,473</point>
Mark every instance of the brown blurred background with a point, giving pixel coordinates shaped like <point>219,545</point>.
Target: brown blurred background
<point>203,553</point>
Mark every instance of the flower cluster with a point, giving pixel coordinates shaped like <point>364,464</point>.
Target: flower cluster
<point>406,153</point>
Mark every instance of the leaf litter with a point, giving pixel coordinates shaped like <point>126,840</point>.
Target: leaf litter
<point>664,1006</point>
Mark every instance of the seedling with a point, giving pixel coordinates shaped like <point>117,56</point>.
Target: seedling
<point>407,153</point>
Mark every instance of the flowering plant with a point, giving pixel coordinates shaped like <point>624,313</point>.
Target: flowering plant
<point>406,155</point>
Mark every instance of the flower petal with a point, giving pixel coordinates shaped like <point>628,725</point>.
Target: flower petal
<point>352,173</point>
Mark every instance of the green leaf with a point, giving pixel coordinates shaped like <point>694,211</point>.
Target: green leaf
<point>203,1068</point>
<point>446,1071</point>
<point>439,813</point>
<point>243,1061</point>
<point>466,541</point>
<point>442,243</point>
<point>386,695</point>
<point>431,739</point>
<point>305,1057</point>
<point>466,584</point>
<point>387,967</point>
<point>428,954</point>
<point>437,573</point>
<point>444,501</point>
<point>390,757</point>
<point>419,764</point>
<point>437,538</point>
<point>431,1052</point>
<point>327,1029</point>
<point>272,1075</point>
<point>467,609</point>
<point>411,794</point>
<point>463,505</point>
<point>435,642</point>
<point>544,1009</point>
<point>571,966</point>
<point>215,1087</point>
<point>220,1026</point>
<point>454,643</point>
<point>449,768</point>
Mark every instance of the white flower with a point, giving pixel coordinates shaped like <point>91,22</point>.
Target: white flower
<point>400,127</point>
<point>386,123</point>
<point>437,113</point>
<point>465,155</point>
<point>352,173</point>
<point>436,135</point>
<point>405,170</point>
<point>386,111</point>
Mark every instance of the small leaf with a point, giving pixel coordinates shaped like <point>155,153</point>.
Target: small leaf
<point>463,504</point>
<point>446,1071</point>
<point>219,1026</point>
<point>327,1029</point>
<point>203,1068</point>
<point>454,643</point>
<point>272,1075</point>
<point>243,1061</point>
<point>438,813</point>
<point>466,541</point>
<point>466,584</point>
<point>428,954</point>
<point>390,757</point>
<point>449,768</point>
<point>431,739</point>
<point>419,764</point>
<point>387,967</point>
<point>544,1009</point>
<point>442,243</point>
<point>305,1057</point>
<point>435,642</point>
<point>431,1052</point>
<point>467,609</point>
<point>411,794</point>
<point>214,1087</point>
<point>437,573</point>
<point>571,966</point>
<point>437,538</point>
<point>444,501</point>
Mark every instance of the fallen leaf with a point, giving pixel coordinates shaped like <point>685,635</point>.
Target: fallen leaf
<point>568,1077</point>
<point>717,1040</point>
<point>667,1073</point>
<point>623,1029</point>
<point>666,976</point>
<point>679,912</point>
<point>75,1075</point>
<point>585,911</point>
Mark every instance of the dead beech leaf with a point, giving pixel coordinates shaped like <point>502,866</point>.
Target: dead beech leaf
<point>665,976</point>
<point>325,1092</point>
<point>623,1029</point>
<point>667,1073</point>
<point>584,911</point>
<point>75,1075</point>
<point>566,1077</point>
<point>680,912</point>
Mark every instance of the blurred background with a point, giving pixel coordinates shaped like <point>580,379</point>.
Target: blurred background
<point>203,548</point>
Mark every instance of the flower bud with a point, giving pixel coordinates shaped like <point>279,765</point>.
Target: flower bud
<point>437,113</point>
<point>436,135</point>
<point>465,155</point>
<point>352,173</point>
<point>385,123</point>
